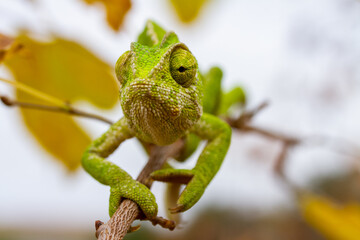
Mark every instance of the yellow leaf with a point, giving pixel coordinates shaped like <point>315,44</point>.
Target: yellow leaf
<point>115,11</point>
<point>334,221</point>
<point>7,46</point>
<point>68,71</point>
<point>188,10</point>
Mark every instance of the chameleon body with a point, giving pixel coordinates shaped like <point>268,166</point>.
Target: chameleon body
<point>163,96</point>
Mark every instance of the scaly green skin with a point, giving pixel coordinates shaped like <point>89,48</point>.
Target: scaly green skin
<point>162,95</point>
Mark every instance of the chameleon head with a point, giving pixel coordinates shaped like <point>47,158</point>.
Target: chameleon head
<point>161,90</point>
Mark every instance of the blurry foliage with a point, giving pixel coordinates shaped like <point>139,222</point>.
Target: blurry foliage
<point>343,188</point>
<point>231,224</point>
<point>115,11</point>
<point>188,10</point>
<point>7,47</point>
<point>336,222</point>
<point>340,220</point>
<point>67,71</point>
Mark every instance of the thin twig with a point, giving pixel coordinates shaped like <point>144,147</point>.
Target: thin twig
<point>70,110</point>
<point>280,161</point>
<point>242,123</point>
<point>271,134</point>
<point>246,116</point>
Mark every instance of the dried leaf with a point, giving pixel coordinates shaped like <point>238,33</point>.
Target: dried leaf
<point>67,71</point>
<point>115,11</point>
<point>336,222</point>
<point>188,10</point>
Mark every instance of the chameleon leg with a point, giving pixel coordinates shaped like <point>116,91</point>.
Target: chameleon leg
<point>120,182</point>
<point>114,200</point>
<point>215,101</point>
<point>212,90</point>
<point>234,96</point>
<point>218,134</point>
<point>211,100</point>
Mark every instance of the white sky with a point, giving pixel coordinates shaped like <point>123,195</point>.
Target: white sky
<point>302,56</point>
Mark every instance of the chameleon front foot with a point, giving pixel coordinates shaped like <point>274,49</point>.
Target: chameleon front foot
<point>194,186</point>
<point>136,192</point>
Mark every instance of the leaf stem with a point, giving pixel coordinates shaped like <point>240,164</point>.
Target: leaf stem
<point>38,94</point>
<point>69,110</point>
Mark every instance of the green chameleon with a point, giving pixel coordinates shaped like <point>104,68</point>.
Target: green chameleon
<point>164,98</point>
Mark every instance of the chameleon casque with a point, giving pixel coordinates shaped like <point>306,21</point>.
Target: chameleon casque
<point>164,97</point>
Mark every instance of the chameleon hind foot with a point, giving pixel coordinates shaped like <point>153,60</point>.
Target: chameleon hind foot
<point>194,189</point>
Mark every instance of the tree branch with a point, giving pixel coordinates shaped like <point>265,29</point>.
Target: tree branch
<point>128,211</point>
<point>271,134</point>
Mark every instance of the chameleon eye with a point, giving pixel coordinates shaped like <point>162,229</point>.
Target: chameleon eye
<point>183,67</point>
<point>122,67</point>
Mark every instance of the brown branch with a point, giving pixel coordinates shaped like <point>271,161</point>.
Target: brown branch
<point>280,161</point>
<point>245,117</point>
<point>70,110</point>
<point>128,211</point>
<point>242,123</point>
<point>271,134</point>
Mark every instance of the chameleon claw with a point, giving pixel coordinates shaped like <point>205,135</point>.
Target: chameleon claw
<point>177,209</point>
<point>99,227</point>
<point>133,229</point>
<point>98,223</point>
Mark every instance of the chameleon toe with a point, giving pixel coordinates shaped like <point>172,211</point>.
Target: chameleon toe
<point>177,209</point>
<point>173,175</point>
<point>133,228</point>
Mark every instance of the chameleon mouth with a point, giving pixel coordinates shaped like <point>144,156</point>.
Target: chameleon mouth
<point>164,91</point>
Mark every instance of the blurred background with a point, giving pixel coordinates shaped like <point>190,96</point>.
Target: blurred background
<point>301,56</point>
